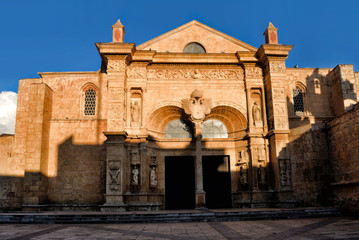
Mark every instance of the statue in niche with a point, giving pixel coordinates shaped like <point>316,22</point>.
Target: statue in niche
<point>153,178</point>
<point>261,175</point>
<point>243,176</point>
<point>135,173</point>
<point>135,111</point>
<point>257,115</point>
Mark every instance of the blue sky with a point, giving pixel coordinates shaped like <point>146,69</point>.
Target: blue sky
<point>46,36</point>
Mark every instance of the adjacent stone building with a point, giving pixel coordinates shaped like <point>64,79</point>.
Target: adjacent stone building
<point>193,118</point>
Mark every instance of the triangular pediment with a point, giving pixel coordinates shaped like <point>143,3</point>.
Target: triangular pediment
<point>211,39</point>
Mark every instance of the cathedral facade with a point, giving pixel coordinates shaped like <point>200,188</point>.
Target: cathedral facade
<point>193,118</point>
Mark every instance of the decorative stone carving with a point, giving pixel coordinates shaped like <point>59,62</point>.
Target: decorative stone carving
<point>153,177</point>
<point>135,111</point>
<point>278,93</point>
<point>284,172</point>
<point>243,176</point>
<point>253,72</point>
<point>135,157</point>
<point>116,65</point>
<point>261,153</point>
<point>136,72</point>
<point>135,175</point>
<point>197,107</point>
<point>114,173</point>
<point>281,123</point>
<point>242,157</point>
<point>277,66</point>
<point>279,109</point>
<point>257,115</point>
<point>195,73</point>
<point>261,175</point>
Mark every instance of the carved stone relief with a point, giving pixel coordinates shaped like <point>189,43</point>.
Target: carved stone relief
<point>277,66</point>
<point>135,157</point>
<point>261,153</point>
<point>279,109</point>
<point>116,65</point>
<point>278,93</point>
<point>253,72</point>
<point>243,176</point>
<point>136,72</point>
<point>261,175</point>
<point>195,73</point>
<point>284,172</point>
<point>114,173</point>
<point>281,123</point>
<point>197,107</point>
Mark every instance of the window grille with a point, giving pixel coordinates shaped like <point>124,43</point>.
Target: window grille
<point>298,100</point>
<point>90,102</point>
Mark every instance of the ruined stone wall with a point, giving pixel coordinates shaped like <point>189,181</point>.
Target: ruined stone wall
<point>310,165</point>
<point>344,144</point>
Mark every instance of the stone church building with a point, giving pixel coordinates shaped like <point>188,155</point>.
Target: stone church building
<point>193,118</point>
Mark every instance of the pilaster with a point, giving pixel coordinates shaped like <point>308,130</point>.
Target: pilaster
<point>115,166</point>
<point>273,58</point>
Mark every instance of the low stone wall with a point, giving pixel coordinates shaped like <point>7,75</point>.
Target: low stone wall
<point>344,144</point>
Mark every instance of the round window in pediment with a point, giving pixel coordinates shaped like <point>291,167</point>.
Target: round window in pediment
<point>194,47</point>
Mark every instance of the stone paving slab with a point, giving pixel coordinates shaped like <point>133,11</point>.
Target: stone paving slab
<point>316,228</point>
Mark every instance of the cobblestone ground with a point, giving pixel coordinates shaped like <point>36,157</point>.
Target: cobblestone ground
<point>319,228</point>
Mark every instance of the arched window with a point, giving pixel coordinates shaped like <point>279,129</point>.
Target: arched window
<point>194,47</point>
<point>90,102</point>
<point>214,128</point>
<point>298,100</point>
<point>178,129</point>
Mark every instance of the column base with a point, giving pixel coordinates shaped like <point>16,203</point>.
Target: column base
<point>200,199</point>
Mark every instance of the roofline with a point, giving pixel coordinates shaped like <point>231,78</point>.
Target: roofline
<point>194,22</point>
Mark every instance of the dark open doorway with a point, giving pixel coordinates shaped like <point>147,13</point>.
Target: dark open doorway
<point>179,183</point>
<point>217,181</point>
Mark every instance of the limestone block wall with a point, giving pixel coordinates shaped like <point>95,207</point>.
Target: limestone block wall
<point>6,143</point>
<point>311,171</point>
<point>344,144</point>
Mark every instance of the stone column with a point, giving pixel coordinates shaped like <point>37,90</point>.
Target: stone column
<point>115,165</point>
<point>273,57</point>
<point>200,193</point>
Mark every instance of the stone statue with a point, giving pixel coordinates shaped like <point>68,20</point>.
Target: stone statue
<point>135,111</point>
<point>153,178</point>
<point>243,178</point>
<point>256,111</point>
<point>135,174</point>
<point>261,175</point>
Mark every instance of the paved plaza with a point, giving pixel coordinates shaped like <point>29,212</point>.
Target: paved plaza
<point>318,228</point>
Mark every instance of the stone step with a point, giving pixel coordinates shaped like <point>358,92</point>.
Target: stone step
<point>166,216</point>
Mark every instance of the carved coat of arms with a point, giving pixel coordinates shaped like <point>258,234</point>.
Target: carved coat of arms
<point>197,107</point>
